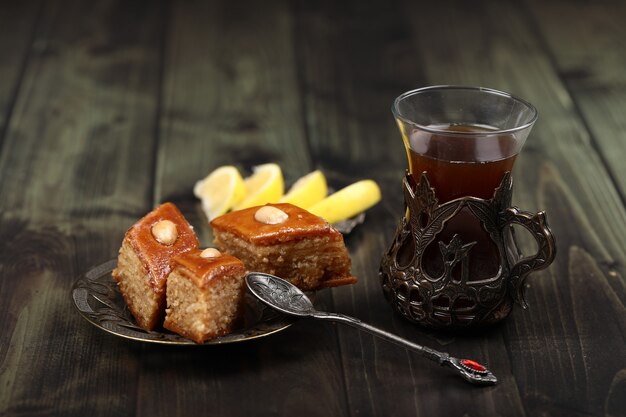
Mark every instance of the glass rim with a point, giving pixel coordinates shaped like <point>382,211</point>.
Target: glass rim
<point>396,112</point>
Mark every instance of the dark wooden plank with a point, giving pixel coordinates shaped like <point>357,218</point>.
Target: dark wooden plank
<point>494,44</point>
<point>17,20</point>
<point>589,58</point>
<point>568,319</point>
<point>231,97</point>
<point>352,69</point>
<point>76,169</point>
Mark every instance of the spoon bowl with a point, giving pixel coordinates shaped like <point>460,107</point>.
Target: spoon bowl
<point>280,294</point>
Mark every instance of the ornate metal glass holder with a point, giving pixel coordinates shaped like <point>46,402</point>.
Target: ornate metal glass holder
<point>453,299</point>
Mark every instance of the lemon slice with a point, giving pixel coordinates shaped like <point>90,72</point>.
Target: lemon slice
<point>265,185</point>
<point>307,190</point>
<point>220,190</point>
<point>348,201</point>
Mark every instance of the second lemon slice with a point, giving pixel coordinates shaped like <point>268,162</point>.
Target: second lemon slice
<point>220,190</point>
<point>265,185</point>
<point>348,201</point>
<point>307,190</point>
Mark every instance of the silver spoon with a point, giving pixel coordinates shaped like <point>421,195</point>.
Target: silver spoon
<point>288,299</point>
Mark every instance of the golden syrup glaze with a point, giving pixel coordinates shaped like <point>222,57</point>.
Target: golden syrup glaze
<point>300,224</point>
<point>205,270</point>
<point>156,256</point>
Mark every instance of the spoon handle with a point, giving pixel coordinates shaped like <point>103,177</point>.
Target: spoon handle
<point>470,370</point>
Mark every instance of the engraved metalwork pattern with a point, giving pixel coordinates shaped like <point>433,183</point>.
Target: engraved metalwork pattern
<point>537,225</point>
<point>97,298</point>
<point>418,296</point>
<point>280,294</point>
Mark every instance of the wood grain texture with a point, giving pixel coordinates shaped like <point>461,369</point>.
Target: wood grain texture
<point>81,133</point>
<point>588,58</point>
<point>230,97</point>
<point>17,21</point>
<point>109,107</point>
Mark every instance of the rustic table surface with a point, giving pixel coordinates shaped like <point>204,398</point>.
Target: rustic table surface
<point>108,108</point>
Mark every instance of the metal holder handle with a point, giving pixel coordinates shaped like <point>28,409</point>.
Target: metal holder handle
<point>537,226</point>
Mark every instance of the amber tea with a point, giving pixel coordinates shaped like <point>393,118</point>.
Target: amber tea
<point>459,166</point>
<point>462,166</point>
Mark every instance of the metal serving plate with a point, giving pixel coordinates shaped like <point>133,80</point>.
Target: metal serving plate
<point>98,299</point>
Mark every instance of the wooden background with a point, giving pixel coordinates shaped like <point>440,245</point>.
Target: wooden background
<point>110,107</point>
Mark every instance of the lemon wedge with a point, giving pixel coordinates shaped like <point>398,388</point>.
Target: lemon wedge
<point>220,191</point>
<point>307,190</point>
<point>348,201</point>
<point>265,185</point>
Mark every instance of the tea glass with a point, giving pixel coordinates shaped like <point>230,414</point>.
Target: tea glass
<point>454,261</point>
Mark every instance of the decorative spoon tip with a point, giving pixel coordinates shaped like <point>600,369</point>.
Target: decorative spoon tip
<point>472,371</point>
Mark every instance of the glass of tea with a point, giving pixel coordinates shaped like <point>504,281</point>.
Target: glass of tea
<point>454,261</point>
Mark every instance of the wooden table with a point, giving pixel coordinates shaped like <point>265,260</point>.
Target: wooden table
<point>110,107</point>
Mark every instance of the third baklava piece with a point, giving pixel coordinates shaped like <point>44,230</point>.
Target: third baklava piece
<point>204,294</point>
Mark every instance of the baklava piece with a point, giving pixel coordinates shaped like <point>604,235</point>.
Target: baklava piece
<point>143,263</point>
<point>286,241</point>
<point>204,294</point>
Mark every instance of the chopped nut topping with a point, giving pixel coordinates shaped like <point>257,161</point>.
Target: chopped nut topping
<point>270,215</point>
<point>210,253</point>
<point>165,232</point>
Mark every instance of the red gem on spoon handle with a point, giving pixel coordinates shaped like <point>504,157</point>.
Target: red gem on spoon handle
<point>472,371</point>
<point>473,365</point>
